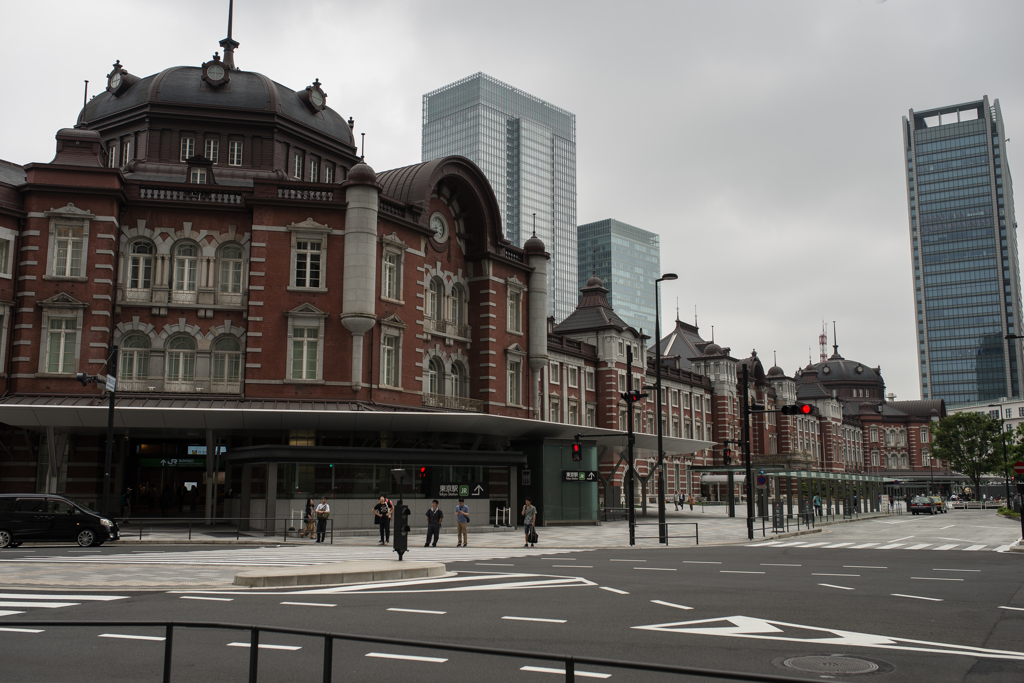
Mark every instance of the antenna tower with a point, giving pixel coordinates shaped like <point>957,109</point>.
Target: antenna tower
<point>823,342</point>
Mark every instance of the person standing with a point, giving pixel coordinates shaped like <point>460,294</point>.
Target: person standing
<point>462,522</point>
<point>529,518</point>
<point>307,518</point>
<point>817,505</point>
<point>690,501</point>
<point>382,518</point>
<point>323,511</point>
<point>126,505</point>
<point>434,517</point>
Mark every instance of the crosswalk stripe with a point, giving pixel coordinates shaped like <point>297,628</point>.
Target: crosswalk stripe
<point>783,545</point>
<point>811,545</point>
<point>890,546</point>
<point>948,546</point>
<point>41,596</point>
<point>46,605</point>
<point>9,612</point>
<point>839,545</point>
<point>975,547</point>
<point>918,546</point>
<point>862,545</point>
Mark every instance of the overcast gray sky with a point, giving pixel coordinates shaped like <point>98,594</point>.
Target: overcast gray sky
<point>761,140</point>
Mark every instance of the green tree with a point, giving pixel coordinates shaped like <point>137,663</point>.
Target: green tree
<point>969,442</point>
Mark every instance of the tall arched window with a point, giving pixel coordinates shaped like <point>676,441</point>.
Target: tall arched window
<point>230,282</point>
<point>227,365</point>
<point>459,312</point>
<point>186,274</point>
<point>133,365</point>
<point>181,364</point>
<point>140,272</point>
<point>460,381</point>
<point>435,299</point>
<point>435,377</point>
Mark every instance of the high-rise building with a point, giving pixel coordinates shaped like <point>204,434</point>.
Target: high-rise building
<point>527,149</point>
<point>963,238</point>
<point>628,260</point>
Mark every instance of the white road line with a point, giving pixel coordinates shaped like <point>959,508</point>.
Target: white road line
<point>948,546</point>
<point>890,546</point>
<point>561,672</point>
<point>128,637</point>
<point>975,547</point>
<point>813,574</point>
<point>546,621</point>
<point>732,571</point>
<point>839,545</point>
<point>1018,609</point>
<point>829,585</point>
<point>791,543</point>
<point>414,611</point>
<point>46,605</point>
<point>699,562</point>
<point>9,612</point>
<point>200,597</point>
<point>900,539</point>
<point>772,564</point>
<point>933,578</point>
<point>811,545</point>
<point>267,647</point>
<point>1003,548</point>
<point>310,604</point>
<point>670,604</point>
<point>862,545</point>
<point>493,564</point>
<point>947,527</point>
<point>627,560</point>
<point>408,658</point>
<point>915,597</point>
<point>613,590</point>
<point>574,566</point>
<point>860,566</point>
<point>761,545</point>
<point>21,630</point>
<point>919,546</point>
<point>956,570</point>
<point>43,596</point>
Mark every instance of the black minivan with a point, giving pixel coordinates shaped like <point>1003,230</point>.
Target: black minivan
<point>48,517</point>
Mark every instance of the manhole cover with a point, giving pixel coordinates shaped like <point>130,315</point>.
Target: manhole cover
<point>831,664</point>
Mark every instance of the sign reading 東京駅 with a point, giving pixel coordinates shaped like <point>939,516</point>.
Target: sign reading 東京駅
<point>574,475</point>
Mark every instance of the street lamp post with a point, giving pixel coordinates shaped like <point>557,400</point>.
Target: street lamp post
<point>662,528</point>
<point>1006,472</point>
<point>1002,437</point>
<point>110,382</point>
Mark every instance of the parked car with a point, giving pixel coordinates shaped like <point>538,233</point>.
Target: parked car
<point>922,504</point>
<point>47,517</point>
<point>940,504</point>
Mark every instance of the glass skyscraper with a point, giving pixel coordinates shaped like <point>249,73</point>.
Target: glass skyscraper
<point>527,149</point>
<point>628,260</point>
<point>963,237</point>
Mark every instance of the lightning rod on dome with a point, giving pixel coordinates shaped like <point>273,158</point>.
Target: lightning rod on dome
<point>534,225</point>
<point>362,147</point>
<point>835,342</point>
<point>229,44</point>
<point>85,95</point>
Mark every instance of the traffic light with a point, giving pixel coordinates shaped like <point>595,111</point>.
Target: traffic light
<point>423,473</point>
<point>83,378</point>
<point>632,397</point>
<point>727,456</point>
<point>577,451</point>
<point>401,530</point>
<point>798,409</point>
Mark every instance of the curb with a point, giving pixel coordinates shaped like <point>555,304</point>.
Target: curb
<point>338,573</point>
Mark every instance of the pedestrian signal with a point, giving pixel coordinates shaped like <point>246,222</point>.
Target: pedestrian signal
<point>727,456</point>
<point>577,451</point>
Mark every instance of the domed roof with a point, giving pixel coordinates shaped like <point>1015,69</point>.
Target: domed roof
<point>535,245</point>
<point>712,349</point>
<point>595,281</point>
<point>776,371</point>
<point>838,369</point>
<point>362,173</point>
<point>247,90</point>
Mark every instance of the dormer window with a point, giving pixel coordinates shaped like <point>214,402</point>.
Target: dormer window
<point>198,176</point>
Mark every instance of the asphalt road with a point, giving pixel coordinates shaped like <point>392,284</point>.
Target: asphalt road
<point>940,615</point>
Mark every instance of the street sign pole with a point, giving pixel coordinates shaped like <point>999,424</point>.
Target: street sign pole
<point>111,372</point>
<point>746,447</point>
<point>630,440</point>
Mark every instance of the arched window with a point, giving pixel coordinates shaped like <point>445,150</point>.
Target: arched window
<point>460,381</point>
<point>181,364</point>
<point>227,365</point>
<point>435,376</point>
<point>230,281</point>
<point>186,274</point>
<point>140,272</point>
<point>459,312</point>
<point>435,297</point>
<point>133,365</point>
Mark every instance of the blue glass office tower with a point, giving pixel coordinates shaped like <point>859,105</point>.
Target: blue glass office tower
<point>963,237</point>
<point>527,149</point>
<point>628,260</point>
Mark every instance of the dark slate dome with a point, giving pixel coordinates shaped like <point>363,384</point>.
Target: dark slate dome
<point>594,281</point>
<point>843,370</point>
<point>712,349</point>
<point>776,371</point>
<point>535,245</point>
<point>247,90</point>
<point>362,173</point>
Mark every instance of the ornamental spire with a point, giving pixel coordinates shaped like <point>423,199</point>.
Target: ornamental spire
<point>229,44</point>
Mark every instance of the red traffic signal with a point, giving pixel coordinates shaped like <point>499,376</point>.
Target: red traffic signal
<point>798,409</point>
<point>423,472</point>
<point>727,456</point>
<point>577,451</point>
<point>633,396</point>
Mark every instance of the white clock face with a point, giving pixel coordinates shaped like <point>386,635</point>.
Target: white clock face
<point>439,226</point>
<point>316,98</point>
<point>115,81</point>
<point>215,72</point>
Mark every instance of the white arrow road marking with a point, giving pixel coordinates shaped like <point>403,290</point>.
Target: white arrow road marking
<point>670,604</point>
<point>48,605</point>
<point>21,630</point>
<point>829,585</point>
<point>766,629</point>
<point>410,658</point>
<point>915,597</point>
<point>9,612</point>
<point>614,590</point>
<point>44,596</point>
<point>1018,609</point>
<point>561,672</point>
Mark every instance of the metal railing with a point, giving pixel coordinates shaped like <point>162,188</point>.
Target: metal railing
<point>226,524</point>
<point>695,537</point>
<point>503,517</point>
<point>568,661</point>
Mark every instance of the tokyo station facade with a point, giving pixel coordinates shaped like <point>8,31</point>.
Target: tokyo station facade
<point>291,324</point>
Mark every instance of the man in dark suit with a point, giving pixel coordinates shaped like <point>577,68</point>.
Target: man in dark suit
<point>434,517</point>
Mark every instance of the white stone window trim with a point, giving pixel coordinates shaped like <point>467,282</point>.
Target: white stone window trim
<point>305,316</point>
<point>515,354</point>
<point>211,150</point>
<point>392,245</point>
<point>60,306</point>
<point>222,260</point>
<point>392,327</point>
<point>5,326</point>
<point>235,148</point>
<point>554,372</point>
<point>573,376</point>
<point>68,217</point>
<point>187,148</point>
<point>7,236</point>
<point>308,230</point>
<point>514,287</point>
